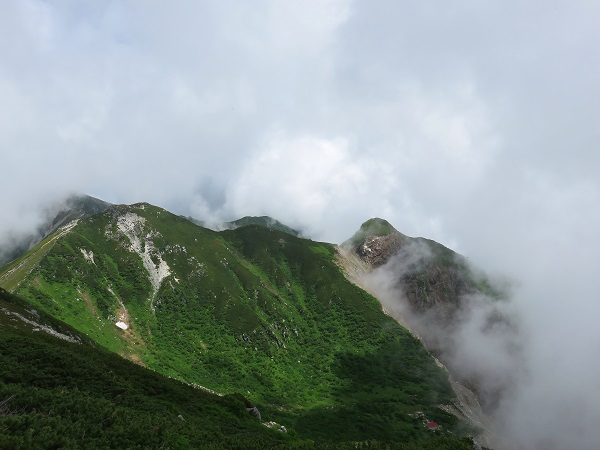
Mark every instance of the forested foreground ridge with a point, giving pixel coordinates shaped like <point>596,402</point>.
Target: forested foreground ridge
<point>162,314</point>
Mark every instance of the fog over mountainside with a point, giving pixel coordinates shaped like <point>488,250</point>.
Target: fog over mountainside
<point>474,125</point>
<point>482,329</point>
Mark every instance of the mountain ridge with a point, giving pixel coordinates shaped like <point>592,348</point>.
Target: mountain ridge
<point>254,305</point>
<point>266,221</point>
<point>58,215</point>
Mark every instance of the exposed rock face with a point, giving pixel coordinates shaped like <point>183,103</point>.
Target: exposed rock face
<point>433,278</point>
<point>133,227</point>
<point>433,285</point>
<point>254,412</point>
<point>377,250</point>
<point>467,408</point>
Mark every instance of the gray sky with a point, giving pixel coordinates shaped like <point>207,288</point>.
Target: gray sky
<point>473,123</point>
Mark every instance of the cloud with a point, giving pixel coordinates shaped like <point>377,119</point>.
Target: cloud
<point>310,180</point>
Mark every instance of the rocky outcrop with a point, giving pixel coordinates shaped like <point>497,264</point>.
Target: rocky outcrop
<point>132,226</point>
<point>466,407</point>
<point>432,277</point>
<point>254,412</point>
<point>377,250</point>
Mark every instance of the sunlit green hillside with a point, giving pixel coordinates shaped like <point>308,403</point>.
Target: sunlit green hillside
<point>251,310</point>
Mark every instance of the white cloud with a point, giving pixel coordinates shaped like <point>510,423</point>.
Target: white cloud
<point>311,182</point>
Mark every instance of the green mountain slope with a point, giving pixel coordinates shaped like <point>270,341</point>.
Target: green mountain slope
<point>60,390</point>
<point>251,310</point>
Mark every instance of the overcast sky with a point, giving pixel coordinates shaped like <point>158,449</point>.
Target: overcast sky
<point>473,123</point>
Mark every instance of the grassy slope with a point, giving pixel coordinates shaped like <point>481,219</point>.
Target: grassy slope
<point>14,272</point>
<point>250,310</point>
<point>57,394</point>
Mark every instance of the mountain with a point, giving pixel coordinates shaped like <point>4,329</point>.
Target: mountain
<point>58,389</point>
<point>434,291</point>
<point>434,279</point>
<point>264,221</point>
<point>251,310</point>
<point>58,215</point>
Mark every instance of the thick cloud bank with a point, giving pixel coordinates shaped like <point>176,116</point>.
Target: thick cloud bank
<point>472,123</point>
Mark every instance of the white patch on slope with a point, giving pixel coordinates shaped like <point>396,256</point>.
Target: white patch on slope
<point>44,328</point>
<point>132,226</point>
<point>89,256</point>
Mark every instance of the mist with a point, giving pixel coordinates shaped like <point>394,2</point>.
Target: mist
<point>473,124</point>
<point>523,352</point>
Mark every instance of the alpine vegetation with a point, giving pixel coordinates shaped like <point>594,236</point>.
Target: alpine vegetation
<point>253,312</point>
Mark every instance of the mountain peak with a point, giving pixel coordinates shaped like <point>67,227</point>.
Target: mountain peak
<point>377,227</point>
<point>375,241</point>
<point>374,227</point>
<point>264,221</point>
